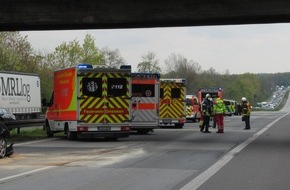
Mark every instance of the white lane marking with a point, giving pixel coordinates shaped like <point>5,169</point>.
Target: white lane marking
<point>204,176</point>
<point>25,173</point>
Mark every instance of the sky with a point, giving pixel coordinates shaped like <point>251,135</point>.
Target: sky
<point>263,48</point>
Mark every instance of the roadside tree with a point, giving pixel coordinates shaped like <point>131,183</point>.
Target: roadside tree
<point>149,64</point>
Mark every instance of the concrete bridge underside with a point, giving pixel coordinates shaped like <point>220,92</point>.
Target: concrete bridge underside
<point>17,15</point>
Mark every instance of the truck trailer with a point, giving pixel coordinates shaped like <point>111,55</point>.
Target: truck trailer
<point>20,93</point>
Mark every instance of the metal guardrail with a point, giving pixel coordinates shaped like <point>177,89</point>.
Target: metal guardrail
<point>17,124</point>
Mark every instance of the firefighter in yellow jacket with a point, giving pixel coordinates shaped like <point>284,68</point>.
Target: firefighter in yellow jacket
<point>219,110</point>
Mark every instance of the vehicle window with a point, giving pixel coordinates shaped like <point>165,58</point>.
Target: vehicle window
<point>175,92</point>
<point>1,112</point>
<point>188,102</point>
<point>143,90</point>
<point>117,87</point>
<point>92,87</point>
<point>50,103</point>
<point>212,94</point>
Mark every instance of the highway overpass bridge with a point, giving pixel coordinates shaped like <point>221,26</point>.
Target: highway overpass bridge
<point>19,15</point>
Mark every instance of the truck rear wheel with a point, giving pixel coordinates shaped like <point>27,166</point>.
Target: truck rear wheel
<point>143,131</point>
<point>48,131</point>
<point>71,135</point>
<point>179,125</point>
<point>3,147</point>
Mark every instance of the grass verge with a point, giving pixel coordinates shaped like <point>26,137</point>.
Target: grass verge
<point>29,135</point>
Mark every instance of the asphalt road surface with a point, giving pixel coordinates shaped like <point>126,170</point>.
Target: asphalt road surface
<point>166,159</point>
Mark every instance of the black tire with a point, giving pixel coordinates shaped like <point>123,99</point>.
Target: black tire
<point>3,147</point>
<point>48,131</point>
<point>143,131</point>
<point>71,135</point>
<point>179,125</point>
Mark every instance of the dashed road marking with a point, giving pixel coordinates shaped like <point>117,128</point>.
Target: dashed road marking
<point>204,176</point>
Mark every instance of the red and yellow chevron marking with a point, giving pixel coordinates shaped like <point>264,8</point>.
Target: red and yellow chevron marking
<point>171,108</point>
<point>189,110</point>
<point>104,109</point>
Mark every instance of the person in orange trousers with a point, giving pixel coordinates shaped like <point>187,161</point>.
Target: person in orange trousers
<point>219,110</point>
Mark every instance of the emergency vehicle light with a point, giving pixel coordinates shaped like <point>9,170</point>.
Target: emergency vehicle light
<point>84,66</point>
<point>180,80</point>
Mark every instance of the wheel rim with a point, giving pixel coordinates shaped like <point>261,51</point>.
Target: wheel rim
<point>3,146</point>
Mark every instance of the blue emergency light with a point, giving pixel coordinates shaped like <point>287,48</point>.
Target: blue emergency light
<point>84,66</point>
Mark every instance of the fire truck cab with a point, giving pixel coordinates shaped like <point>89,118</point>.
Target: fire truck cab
<point>213,92</point>
<point>88,100</point>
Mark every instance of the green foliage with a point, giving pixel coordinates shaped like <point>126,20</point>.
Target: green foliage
<point>245,85</point>
<point>29,134</point>
<point>16,54</point>
<point>177,66</point>
<point>67,54</point>
<point>72,53</point>
<point>112,57</point>
<point>90,53</point>
<point>149,64</point>
<point>210,78</point>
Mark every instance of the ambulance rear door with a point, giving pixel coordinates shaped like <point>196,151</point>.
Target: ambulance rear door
<point>104,99</point>
<point>145,100</point>
<point>172,103</point>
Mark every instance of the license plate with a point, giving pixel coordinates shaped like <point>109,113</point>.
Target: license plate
<point>104,128</point>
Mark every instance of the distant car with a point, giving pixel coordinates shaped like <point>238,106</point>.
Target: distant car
<point>5,150</point>
<point>6,115</point>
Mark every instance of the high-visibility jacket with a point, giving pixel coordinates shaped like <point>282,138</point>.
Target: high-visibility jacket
<point>246,108</point>
<point>219,106</point>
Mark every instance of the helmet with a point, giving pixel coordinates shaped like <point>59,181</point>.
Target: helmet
<point>244,99</point>
<point>207,96</point>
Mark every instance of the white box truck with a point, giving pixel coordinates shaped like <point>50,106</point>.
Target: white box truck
<point>20,94</point>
